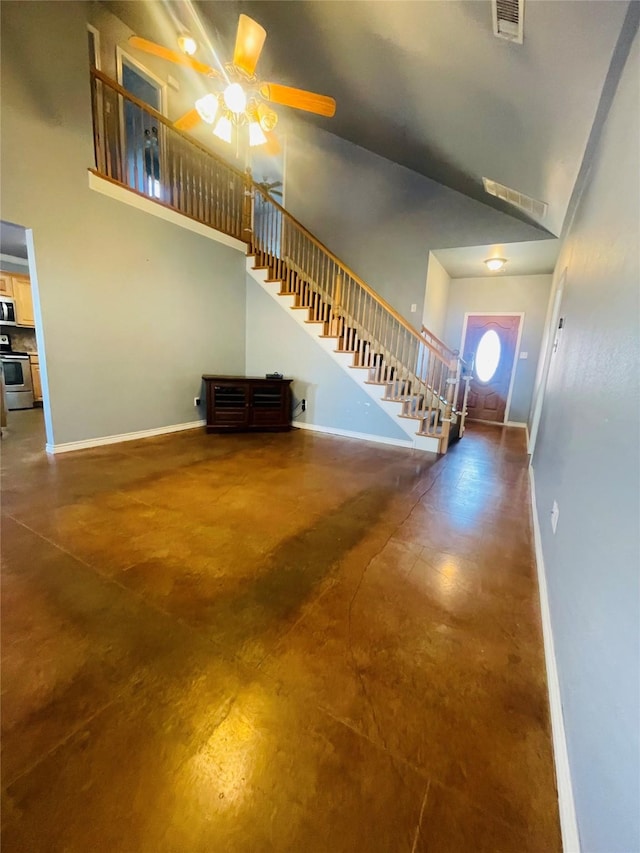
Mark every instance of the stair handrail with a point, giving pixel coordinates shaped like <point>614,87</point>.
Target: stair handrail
<point>348,271</point>
<point>452,353</point>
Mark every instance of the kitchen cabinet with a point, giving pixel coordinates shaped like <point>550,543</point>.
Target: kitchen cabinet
<point>35,378</point>
<point>243,403</point>
<point>23,300</point>
<point>6,285</point>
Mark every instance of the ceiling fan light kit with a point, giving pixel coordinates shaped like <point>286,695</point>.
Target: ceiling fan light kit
<point>256,134</point>
<point>207,108</point>
<point>244,99</point>
<point>224,129</point>
<point>187,44</point>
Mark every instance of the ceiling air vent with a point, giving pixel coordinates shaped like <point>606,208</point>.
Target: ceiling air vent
<point>536,209</point>
<point>508,19</point>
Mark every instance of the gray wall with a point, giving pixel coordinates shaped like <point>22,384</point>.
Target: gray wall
<point>382,219</point>
<point>514,293</point>
<point>134,309</point>
<point>436,298</point>
<point>276,343</point>
<point>588,459</point>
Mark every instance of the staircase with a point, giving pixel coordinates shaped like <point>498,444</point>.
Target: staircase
<point>410,374</point>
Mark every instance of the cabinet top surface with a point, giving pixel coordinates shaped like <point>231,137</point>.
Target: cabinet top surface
<point>212,377</point>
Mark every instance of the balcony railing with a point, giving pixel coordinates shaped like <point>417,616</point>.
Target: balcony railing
<point>138,148</point>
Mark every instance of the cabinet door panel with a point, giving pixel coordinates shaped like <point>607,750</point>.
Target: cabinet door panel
<point>6,285</point>
<point>267,405</point>
<point>36,381</point>
<point>230,406</point>
<point>24,302</point>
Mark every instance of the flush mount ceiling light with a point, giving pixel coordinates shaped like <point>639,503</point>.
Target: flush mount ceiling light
<point>495,264</point>
<point>187,44</point>
<point>240,103</point>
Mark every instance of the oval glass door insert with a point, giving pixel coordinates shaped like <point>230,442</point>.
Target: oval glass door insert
<point>488,356</point>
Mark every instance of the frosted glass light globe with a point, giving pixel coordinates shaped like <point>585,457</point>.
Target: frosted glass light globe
<point>235,98</point>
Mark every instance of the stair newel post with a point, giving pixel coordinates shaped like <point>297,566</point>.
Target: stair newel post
<point>247,210</point>
<point>448,411</point>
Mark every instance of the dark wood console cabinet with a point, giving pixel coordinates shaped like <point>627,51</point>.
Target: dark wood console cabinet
<point>243,403</point>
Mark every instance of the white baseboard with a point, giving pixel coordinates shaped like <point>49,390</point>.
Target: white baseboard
<point>520,425</point>
<point>68,446</point>
<point>568,819</point>
<point>346,433</point>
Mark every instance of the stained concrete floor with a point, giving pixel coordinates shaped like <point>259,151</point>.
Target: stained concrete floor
<point>284,642</point>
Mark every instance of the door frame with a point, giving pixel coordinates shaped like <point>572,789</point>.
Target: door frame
<point>516,355</point>
<point>154,80</point>
<point>548,349</point>
<point>161,84</point>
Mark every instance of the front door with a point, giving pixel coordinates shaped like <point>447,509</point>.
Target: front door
<point>489,345</point>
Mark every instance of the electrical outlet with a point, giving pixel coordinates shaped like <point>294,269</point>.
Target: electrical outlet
<point>555,514</point>
<point>304,405</point>
<point>196,401</point>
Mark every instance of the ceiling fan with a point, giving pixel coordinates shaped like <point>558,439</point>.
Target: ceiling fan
<point>242,99</point>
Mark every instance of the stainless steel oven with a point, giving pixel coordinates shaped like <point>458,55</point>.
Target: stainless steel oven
<point>17,380</point>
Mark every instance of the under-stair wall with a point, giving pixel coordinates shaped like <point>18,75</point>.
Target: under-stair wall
<point>334,403</point>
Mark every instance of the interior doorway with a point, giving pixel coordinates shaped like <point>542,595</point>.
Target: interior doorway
<point>490,343</point>
<point>23,374</point>
<point>142,142</point>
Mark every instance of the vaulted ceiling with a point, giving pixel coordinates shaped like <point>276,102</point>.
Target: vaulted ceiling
<point>426,83</point>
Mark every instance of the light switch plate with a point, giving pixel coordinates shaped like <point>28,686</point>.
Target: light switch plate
<point>524,355</point>
<point>414,307</point>
<point>555,514</point>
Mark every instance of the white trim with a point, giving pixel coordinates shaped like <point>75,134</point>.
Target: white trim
<point>68,446</point>
<point>568,819</point>
<point>155,208</point>
<point>14,259</point>
<point>347,433</point>
<point>96,42</point>
<point>520,314</point>
<point>549,339</point>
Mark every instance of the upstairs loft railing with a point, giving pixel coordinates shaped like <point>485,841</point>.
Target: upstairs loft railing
<point>138,148</point>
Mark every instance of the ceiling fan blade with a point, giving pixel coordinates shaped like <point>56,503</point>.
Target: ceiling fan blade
<point>299,99</point>
<point>188,121</point>
<point>249,41</point>
<point>172,55</point>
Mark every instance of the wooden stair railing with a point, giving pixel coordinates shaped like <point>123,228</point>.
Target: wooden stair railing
<point>410,367</point>
<point>139,148</point>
